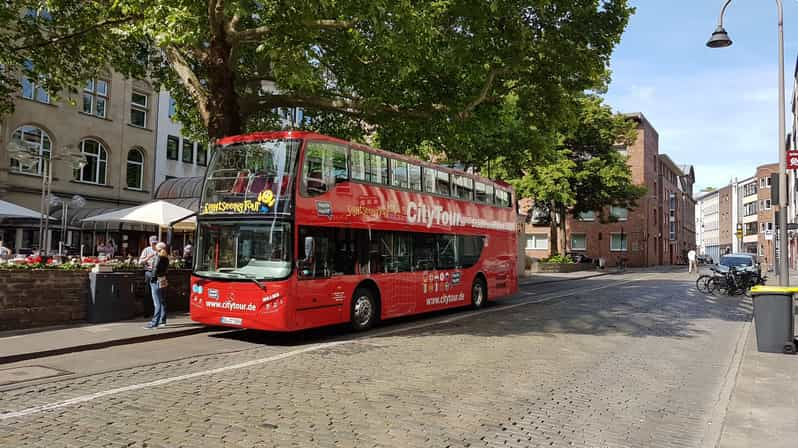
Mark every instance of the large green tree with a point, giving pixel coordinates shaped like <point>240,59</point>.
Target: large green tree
<point>442,74</point>
<point>583,171</point>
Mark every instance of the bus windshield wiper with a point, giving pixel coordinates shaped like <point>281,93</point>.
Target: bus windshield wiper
<point>249,277</point>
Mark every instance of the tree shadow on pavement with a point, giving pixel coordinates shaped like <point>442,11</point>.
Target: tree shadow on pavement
<point>660,308</point>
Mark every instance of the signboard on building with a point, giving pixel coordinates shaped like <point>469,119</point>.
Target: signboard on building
<point>768,234</point>
<point>792,160</point>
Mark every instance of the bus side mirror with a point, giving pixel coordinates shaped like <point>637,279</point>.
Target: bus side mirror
<point>310,244</point>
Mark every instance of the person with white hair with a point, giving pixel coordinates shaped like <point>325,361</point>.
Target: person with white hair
<point>158,285</point>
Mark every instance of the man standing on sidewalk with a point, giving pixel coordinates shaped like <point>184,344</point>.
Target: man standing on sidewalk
<point>691,262</point>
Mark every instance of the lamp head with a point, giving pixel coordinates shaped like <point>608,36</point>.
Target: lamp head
<point>719,38</point>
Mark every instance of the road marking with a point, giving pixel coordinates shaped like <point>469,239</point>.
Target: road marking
<point>313,348</point>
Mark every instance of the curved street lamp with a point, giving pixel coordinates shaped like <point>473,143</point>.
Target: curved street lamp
<point>720,39</point>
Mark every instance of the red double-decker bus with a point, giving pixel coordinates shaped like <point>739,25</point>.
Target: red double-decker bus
<point>299,230</point>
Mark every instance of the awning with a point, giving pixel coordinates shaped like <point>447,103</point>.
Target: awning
<point>9,210</point>
<point>159,213</point>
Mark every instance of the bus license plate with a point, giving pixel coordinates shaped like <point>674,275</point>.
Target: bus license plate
<point>231,320</point>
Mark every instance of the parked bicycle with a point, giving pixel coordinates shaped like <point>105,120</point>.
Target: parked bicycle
<point>732,282</point>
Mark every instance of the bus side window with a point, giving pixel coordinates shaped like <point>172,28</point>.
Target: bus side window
<point>325,165</point>
<point>320,263</point>
<point>469,248</point>
<point>415,176</point>
<point>442,185</point>
<point>447,252</point>
<point>423,251</point>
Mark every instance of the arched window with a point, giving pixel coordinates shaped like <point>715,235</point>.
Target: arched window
<point>35,138</point>
<point>135,169</point>
<point>96,162</point>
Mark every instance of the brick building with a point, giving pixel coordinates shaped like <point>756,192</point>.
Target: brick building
<point>659,230</point>
<point>766,238</point>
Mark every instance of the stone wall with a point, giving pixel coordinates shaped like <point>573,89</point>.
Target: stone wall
<point>42,297</point>
<point>560,267</point>
<point>38,298</point>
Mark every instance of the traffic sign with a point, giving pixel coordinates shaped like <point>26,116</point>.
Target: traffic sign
<point>792,160</point>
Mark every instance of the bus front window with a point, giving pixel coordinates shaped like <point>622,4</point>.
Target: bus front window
<point>258,250</point>
<point>242,172</point>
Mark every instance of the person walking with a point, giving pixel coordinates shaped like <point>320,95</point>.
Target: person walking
<point>692,264</point>
<point>158,285</point>
<point>148,258</point>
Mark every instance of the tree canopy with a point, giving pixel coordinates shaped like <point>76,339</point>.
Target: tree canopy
<point>583,171</point>
<point>474,79</point>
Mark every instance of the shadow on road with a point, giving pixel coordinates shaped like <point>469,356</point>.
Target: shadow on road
<point>645,308</point>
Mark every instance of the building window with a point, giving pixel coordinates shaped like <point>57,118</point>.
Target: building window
<point>202,155</point>
<point>587,216</point>
<point>188,151</point>
<point>172,147</point>
<point>618,242</point>
<point>172,107</point>
<point>672,230</point>
<point>96,162</point>
<point>135,169</point>
<point>537,241</point>
<point>95,97</point>
<point>578,241</point>
<point>138,109</point>
<point>32,89</point>
<point>36,139</point>
<point>767,204</point>
<point>621,213</point>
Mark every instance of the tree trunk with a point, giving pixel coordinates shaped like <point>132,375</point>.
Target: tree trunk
<point>563,243</point>
<point>553,234</point>
<point>224,117</point>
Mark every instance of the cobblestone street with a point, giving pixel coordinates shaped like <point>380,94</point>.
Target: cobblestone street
<point>632,360</point>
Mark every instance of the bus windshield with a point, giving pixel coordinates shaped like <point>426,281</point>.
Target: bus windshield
<point>251,178</point>
<point>259,250</point>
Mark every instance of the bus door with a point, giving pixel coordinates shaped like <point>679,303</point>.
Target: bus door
<point>321,288</point>
<point>395,264</point>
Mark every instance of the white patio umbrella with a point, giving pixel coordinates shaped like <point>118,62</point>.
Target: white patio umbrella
<point>9,210</point>
<point>159,213</point>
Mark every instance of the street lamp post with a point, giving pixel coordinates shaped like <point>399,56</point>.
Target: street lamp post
<point>720,39</point>
<point>27,155</point>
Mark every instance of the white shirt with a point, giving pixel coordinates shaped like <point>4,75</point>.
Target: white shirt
<point>691,255</point>
<point>148,252</point>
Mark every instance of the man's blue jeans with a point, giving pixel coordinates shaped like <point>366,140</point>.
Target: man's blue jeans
<point>158,301</point>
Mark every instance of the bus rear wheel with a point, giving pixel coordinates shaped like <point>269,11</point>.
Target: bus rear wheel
<point>479,293</point>
<point>364,309</point>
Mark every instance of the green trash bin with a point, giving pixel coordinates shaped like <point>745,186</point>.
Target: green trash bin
<point>773,318</point>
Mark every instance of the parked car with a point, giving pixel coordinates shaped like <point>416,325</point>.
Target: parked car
<point>579,258</point>
<point>740,261</point>
<point>704,259</point>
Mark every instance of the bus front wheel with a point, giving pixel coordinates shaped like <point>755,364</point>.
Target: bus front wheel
<point>364,309</point>
<point>479,293</point>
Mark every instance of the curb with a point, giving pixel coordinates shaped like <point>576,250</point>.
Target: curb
<point>527,283</point>
<point>104,344</point>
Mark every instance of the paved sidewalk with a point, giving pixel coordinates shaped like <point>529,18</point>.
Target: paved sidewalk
<point>763,411</point>
<point>19,345</point>
<point>540,278</point>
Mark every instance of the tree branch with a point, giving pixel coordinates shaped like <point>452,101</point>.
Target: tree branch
<point>352,107</point>
<point>483,94</point>
<point>78,33</point>
<point>189,80</point>
<point>259,33</point>
<point>215,15</point>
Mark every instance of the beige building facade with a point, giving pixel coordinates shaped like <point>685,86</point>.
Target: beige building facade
<point>111,123</point>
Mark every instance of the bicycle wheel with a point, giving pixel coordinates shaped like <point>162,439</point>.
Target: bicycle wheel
<point>717,285</point>
<point>701,283</point>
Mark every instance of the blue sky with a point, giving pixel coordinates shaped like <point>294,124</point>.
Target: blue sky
<point>713,108</point>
